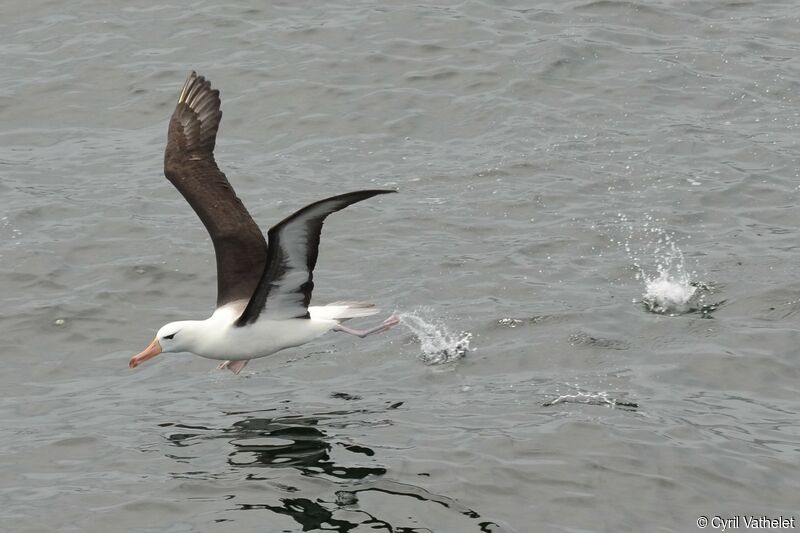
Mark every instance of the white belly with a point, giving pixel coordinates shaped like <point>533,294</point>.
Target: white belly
<point>263,338</point>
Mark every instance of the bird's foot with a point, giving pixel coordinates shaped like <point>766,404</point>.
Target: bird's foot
<point>386,325</point>
<point>233,366</point>
<point>390,322</point>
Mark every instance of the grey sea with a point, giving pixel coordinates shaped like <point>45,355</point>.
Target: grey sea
<point>595,254</point>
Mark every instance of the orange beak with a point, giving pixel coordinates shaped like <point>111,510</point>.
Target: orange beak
<point>151,351</point>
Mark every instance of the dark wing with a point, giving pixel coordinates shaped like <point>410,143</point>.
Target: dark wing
<point>284,290</point>
<point>189,164</point>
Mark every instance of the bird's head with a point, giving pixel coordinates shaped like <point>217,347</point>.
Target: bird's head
<point>173,337</point>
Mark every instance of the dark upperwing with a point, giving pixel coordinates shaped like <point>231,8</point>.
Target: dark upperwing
<point>189,164</point>
<point>284,290</point>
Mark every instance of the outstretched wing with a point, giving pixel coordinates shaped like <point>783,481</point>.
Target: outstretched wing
<point>284,290</point>
<point>189,164</point>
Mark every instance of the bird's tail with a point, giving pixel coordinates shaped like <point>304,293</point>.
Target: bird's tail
<point>342,310</point>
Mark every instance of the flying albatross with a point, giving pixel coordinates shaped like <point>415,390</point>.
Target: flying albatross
<point>263,292</point>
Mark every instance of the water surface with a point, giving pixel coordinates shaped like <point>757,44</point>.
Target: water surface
<point>530,143</point>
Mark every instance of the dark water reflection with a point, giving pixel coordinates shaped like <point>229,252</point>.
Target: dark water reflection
<point>316,515</point>
<point>304,445</point>
<point>283,442</point>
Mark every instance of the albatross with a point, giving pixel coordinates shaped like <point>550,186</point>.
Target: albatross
<point>263,292</point>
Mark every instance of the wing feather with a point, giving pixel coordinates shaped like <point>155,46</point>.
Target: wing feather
<point>284,290</point>
<point>239,245</point>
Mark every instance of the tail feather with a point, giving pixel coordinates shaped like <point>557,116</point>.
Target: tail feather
<point>343,310</point>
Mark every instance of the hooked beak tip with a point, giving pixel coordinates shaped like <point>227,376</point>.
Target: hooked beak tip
<point>151,351</point>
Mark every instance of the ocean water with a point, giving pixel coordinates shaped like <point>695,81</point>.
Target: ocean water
<point>595,253</point>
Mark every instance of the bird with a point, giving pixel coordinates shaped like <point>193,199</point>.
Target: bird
<point>263,288</point>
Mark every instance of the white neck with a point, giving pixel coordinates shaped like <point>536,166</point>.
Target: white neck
<point>197,336</point>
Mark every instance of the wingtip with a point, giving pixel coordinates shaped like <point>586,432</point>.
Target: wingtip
<point>195,87</point>
<point>197,115</point>
<point>369,193</point>
<point>374,192</point>
<point>186,85</point>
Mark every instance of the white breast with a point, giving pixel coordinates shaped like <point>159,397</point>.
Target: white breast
<point>221,339</point>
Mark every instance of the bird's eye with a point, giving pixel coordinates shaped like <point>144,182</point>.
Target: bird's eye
<point>170,337</point>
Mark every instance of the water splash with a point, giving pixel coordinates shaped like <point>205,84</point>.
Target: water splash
<point>8,228</point>
<point>667,296</point>
<point>437,344</point>
<point>592,398</point>
<point>660,264</point>
<point>668,290</point>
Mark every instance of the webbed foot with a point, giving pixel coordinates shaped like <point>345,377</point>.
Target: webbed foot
<point>233,366</point>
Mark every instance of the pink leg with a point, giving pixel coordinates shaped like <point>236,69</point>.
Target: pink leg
<point>385,326</point>
<point>233,366</point>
